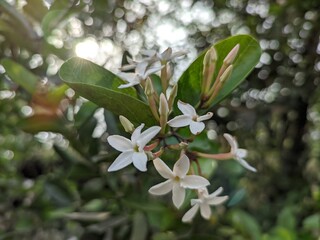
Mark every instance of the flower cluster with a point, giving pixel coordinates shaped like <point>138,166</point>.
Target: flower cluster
<point>150,144</point>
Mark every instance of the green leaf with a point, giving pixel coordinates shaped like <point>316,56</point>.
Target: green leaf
<point>42,122</point>
<point>58,16</point>
<point>101,87</point>
<point>19,20</point>
<point>245,224</point>
<point>35,9</point>
<point>189,85</point>
<point>20,75</point>
<point>287,218</point>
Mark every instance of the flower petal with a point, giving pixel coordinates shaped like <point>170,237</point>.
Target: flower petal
<point>180,121</point>
<point>120,143</point>
<point>205,211</point>
<point>130,84</point>
<point>246,165</point>
<point>232,142</point>
<point>136,134</point>
<point>178,194</point>
<point>147,135</point>
<point>152,69</point>
<point>163,169</point>
<point>241,153</point>
<point>196,127</point>
<point>139,160</point>
<point>217,200</point>
<point>141,68</point>
<point>194,182</point>
<point>188,216</point>
<point>123,160</point>
<point>216,192</point>
<point>161,188</point>
<point>187,109</point>
<point>181,167</point>
<point>205,117</point>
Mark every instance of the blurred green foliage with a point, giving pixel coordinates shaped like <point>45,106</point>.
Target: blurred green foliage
<point>53,150</point>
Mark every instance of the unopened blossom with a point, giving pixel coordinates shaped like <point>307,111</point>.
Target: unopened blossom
<point>189,118</point>
<point>141,73</point>
<point>132,149</point>
<point>177,180</point>
<point>203,203</point>
<point>238,153</point>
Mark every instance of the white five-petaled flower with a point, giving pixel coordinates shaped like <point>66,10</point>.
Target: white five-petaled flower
<point>177,180</point>
<point>141,73</point>
<point>132,150</point>
<point>204,202</point>
<point>190,118</point>
<point>238,153</point>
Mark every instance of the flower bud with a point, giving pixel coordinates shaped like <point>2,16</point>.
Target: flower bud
<point>149,90</point>
<point>126,124</point>
<point>163,111</point>
<point>172,96</point>
<point>209,66</point>
<point>226,74</point>
<point>231,55</point>
<point>163,106</point>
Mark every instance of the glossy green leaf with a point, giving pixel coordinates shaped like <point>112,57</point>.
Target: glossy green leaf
<point>20,75</point>
<point>189,85</point>
<point>101,87</point>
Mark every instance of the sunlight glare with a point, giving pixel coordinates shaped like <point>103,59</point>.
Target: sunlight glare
<point>87,49</point>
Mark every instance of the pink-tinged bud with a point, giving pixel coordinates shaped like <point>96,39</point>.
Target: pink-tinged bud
<point>159,153</point>
<point>226,74</point>
<point>126,124</point>
<point>232,55</point>
<point>151,146</point>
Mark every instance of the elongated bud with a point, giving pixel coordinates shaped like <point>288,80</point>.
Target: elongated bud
<point>231,55</point>
<point>172,96</point>
<point>217,87</point>
<point>150,93</point>
<point>149,90</point>
<point>163,106</point>
<point>169,72</point>
<point>226,74</point>
<point>163,111</point>
<point>126,124</point>
<point>209,66</point>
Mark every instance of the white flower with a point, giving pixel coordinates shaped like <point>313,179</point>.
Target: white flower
<point>177,180</point>
<point>141,73</point>
<point>238,153</point>
<point>204,202</point>
<point>190,118</point>
<point>132,150</point>
<point>165,56</point>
